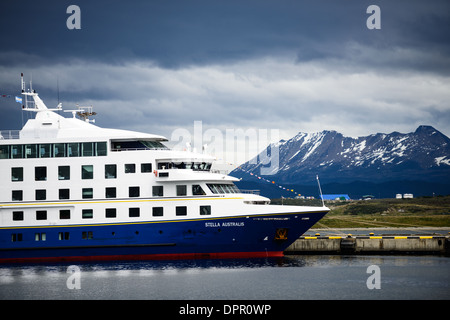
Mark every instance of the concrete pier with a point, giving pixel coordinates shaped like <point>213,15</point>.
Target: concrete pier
<point>371,245</point>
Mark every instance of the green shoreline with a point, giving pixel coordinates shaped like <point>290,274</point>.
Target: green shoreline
<point>388,213</point>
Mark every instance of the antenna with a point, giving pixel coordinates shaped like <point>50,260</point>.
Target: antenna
<point>57,87</point>
<point>22,82</point>
<point>320,189</point>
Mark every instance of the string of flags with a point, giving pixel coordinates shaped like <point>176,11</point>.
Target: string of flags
<point>270,181</point>
<point>18,99</point>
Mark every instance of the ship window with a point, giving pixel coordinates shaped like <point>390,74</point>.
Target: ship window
<point>130,168</point>
<point>110,192</point>
<point>181,190</point>
<point>100,148</point>
<point>156,145</point>
<point>87,235</point>
<point>157,211</point>
<point>64,214</point>
<point>87,193</point>
<point>197,190</point>
<point>16,237</point>
<point>164,165</point>
<point>87,172</point>
<point>205,210</point>
<point>31,150</point>
<point>87,213</point>
<point>45,150</point>
<point>110,171</point>
<point>158,191</point>
<point>41,215</point>
<point>17,195</point>
<point>223,188</point>
<point>40,236</point>
<point>64,173</point>
<point>59,150</point>
<point>17,215</point>
<point>87,149</point>
<point>16,174</point>
<point>40,173</point>
<point>17,151</point>
<point>181,211</point>
<point>4,152</point>
<point>133,212</point>
<point>73,150</point>
<point>63,235</point>
<point>110,212</point>
<point>41,194</point>
<point>146,167</point>
<point>133,192</point>
<point>64,194</point>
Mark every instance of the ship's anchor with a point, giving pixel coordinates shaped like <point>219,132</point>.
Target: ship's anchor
<point>281,234</point>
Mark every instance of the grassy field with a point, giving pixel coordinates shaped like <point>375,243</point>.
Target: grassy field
<point>400,213</point>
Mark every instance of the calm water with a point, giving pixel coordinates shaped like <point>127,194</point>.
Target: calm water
<point>292,277</point>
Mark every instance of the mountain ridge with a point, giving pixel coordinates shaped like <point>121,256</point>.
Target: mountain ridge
<point>422,155</point>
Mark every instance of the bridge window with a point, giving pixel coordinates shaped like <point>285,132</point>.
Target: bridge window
<point>17,151</point>
<point>73,149</point>
<point>31,150</point>
<point>222,188</point>
<point>50,150</point>
<point>45,150</point>
<point>59,150</point>
<point>197,190</point>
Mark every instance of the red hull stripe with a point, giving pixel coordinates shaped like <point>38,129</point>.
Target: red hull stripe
<point>171,256</point>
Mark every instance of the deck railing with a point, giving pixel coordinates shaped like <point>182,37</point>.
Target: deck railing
<point>9,134</point>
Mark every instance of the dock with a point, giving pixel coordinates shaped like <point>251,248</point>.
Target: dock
<point>371,244</point>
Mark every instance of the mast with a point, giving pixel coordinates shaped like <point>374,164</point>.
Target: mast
<point>37,104</point>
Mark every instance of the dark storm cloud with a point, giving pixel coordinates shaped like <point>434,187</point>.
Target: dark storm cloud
<point>175,33</point>
<point>295,65</point>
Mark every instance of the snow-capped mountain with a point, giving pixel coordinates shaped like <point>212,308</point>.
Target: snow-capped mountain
<point>423,155</point>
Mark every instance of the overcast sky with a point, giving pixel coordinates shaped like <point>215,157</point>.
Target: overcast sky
<point>157,66</point>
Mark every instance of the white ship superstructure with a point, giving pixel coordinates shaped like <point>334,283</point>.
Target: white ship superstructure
<point>74,191</point>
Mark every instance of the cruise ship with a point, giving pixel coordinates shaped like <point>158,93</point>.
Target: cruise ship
<point>72,191</point>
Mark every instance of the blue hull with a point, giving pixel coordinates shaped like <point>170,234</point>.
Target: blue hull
<point>251,236</point>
